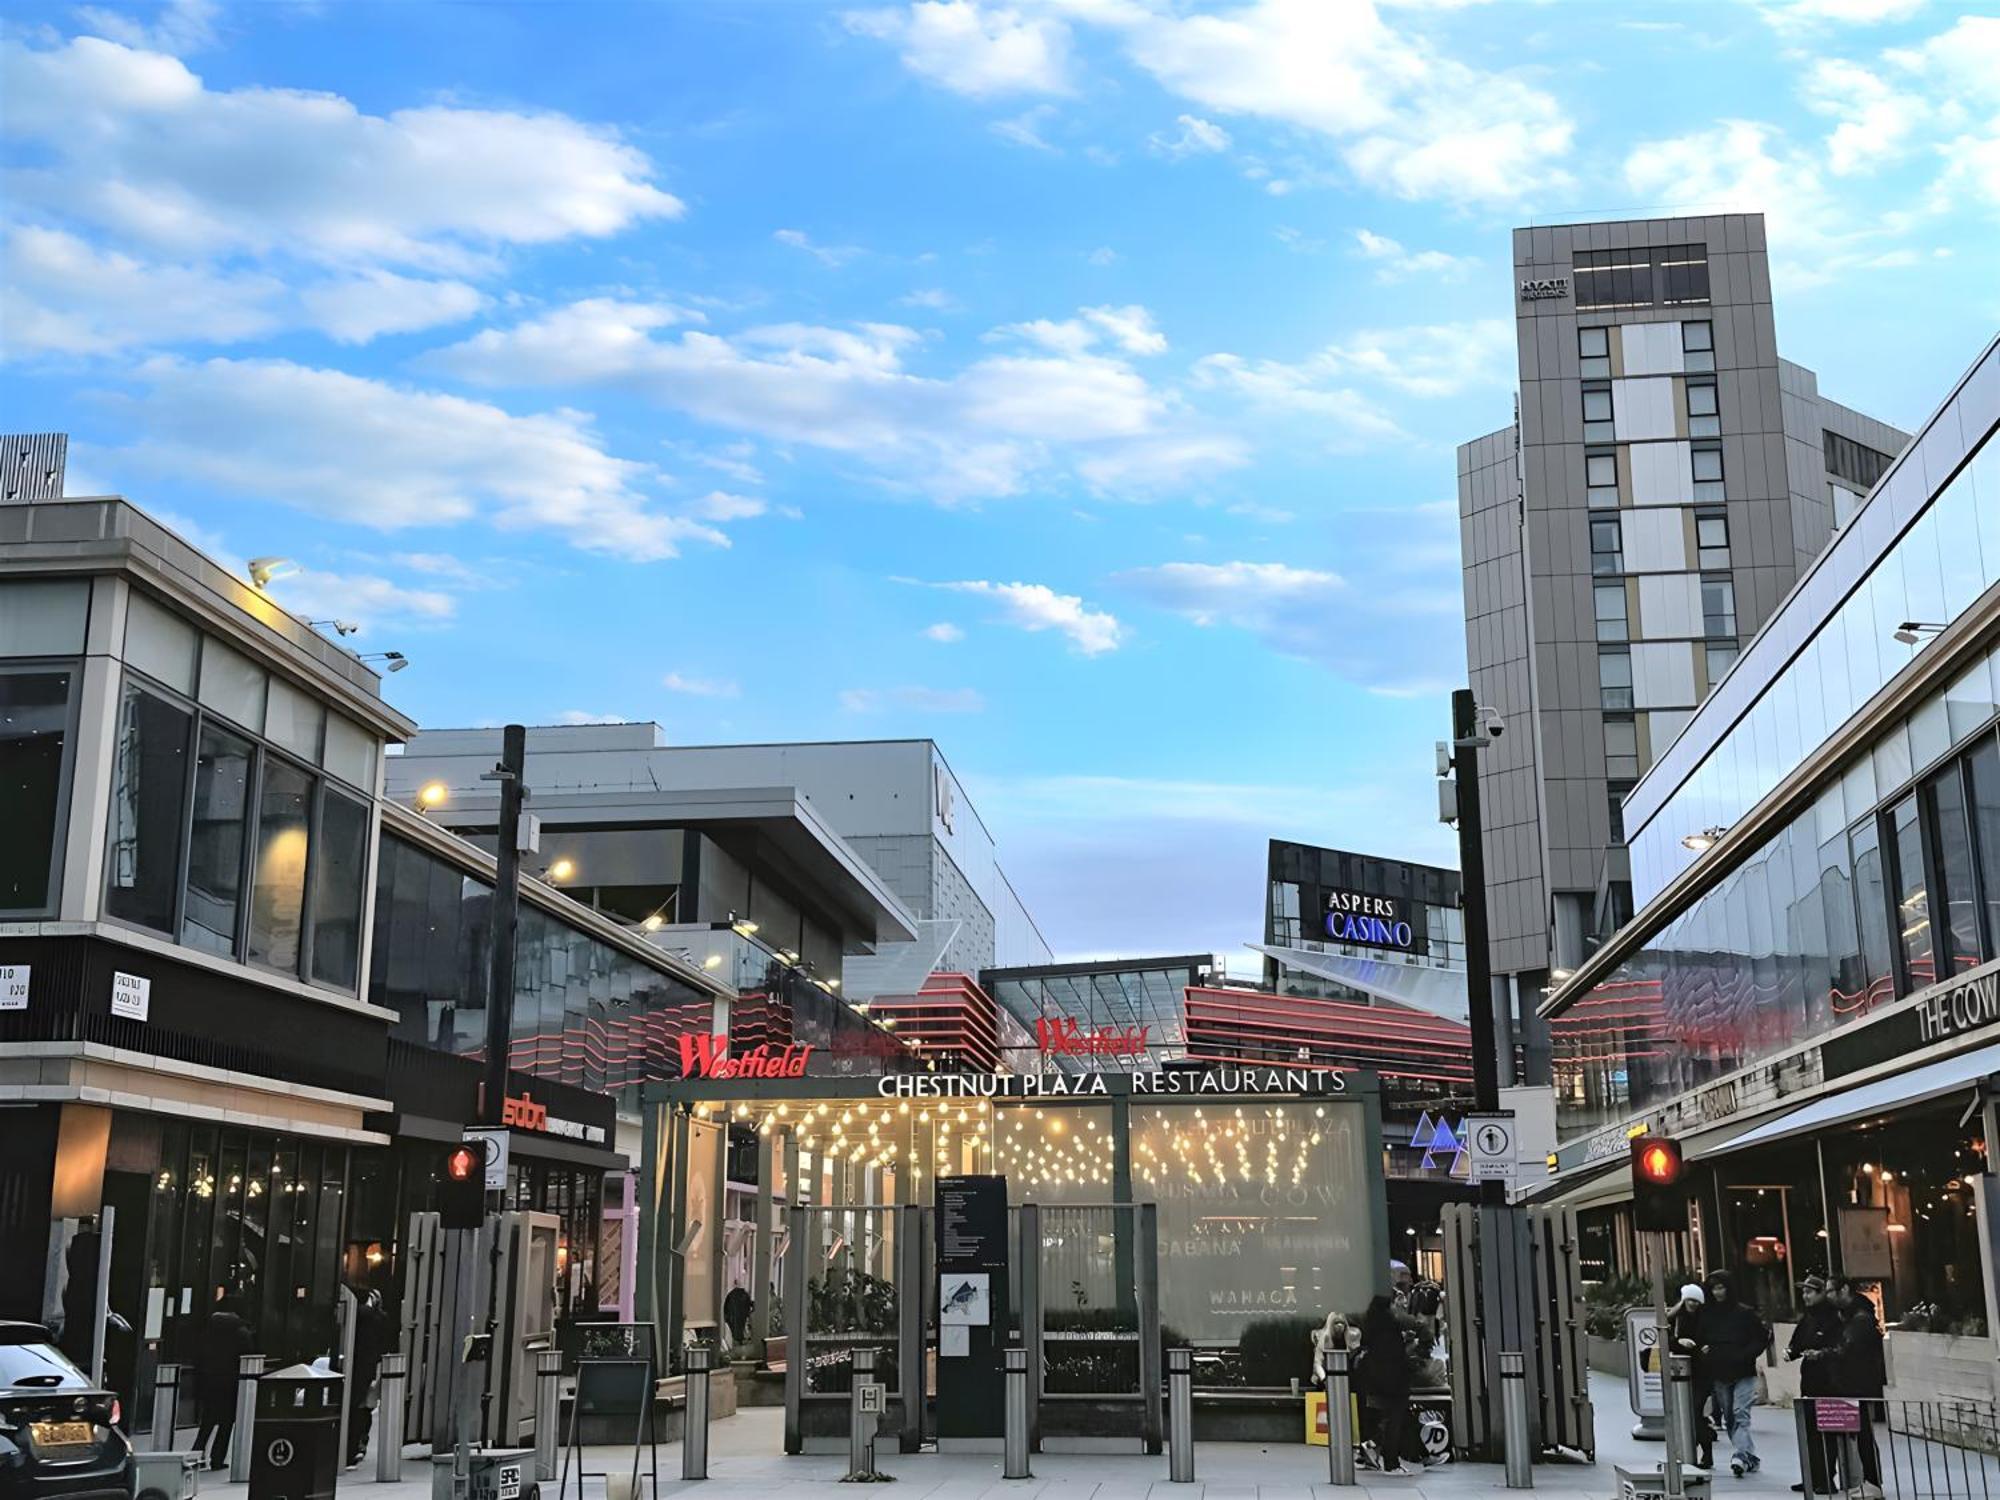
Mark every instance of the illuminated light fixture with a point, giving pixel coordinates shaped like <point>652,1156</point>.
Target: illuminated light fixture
<point>746,928</point>
<point>1702,842</point>
<point>653,922</point>
<point>1910,632</point>
<point>560,869</point>
<point>713,961</point>
<point>432,794</point>
<point>264,569</point>
<point>1558,975</point>
<point>392,661</point>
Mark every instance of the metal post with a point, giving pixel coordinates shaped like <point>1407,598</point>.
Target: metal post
<point>166,1406</point>
<point>100,1300</point>
<point>1680,1403</point>
<point>1339,1420</point>
<point>391,1382</point>
<point>346,1305</point>
<point>504,920</point>
<point>1802,1425</point>
<point>1014,1360</point>
<point>696,1360</point>
<point>861,1419</point>
<point>548,1410</point>
<point>1676,1432</point>
<point>1180,1414</point>
<point>1466,743</point>
<point>1514,1420</point>
<point>249,1369</point>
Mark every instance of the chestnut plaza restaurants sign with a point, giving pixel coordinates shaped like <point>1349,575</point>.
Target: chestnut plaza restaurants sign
<point>1170,1081</point>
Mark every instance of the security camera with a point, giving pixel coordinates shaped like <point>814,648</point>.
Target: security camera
<point>1491,722</point>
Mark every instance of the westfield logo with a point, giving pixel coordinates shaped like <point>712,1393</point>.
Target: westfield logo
<point>707,1056</point>
<point>1059,1036</point>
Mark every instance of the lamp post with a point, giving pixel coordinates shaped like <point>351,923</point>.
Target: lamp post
<point>505,917</point>
<point>1466,742</point>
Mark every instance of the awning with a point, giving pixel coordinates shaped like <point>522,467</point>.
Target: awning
<point>1896,1091</point>
<point>1430,987</point>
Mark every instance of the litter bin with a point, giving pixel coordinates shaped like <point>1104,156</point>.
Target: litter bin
<point>297,1435</point>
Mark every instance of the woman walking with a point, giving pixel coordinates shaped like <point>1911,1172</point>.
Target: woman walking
<point>1385,1380</point>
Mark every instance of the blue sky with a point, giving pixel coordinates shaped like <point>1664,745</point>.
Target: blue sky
<point>1072,381</point>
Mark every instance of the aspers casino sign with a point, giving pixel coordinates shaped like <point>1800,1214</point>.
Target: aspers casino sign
<point>1372,921</point>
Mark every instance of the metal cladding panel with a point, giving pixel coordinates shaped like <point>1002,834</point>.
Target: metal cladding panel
<point>31,467</point>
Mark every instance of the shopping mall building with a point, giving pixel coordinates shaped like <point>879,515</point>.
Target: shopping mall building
<point>1808,994</point>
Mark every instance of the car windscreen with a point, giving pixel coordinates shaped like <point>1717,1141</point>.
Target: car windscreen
<point>38,1367</point>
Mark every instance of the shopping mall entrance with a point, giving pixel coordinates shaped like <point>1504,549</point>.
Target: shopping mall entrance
<point>934,1218</point>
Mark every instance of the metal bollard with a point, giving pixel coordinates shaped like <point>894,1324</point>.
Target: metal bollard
<point>699,1359</point>
<point>548,1410</point>
<point>249,1369</point>
<point>1180,1415</point>
<point>1514,1420</point>
<point>1014,1362</point>
<point>166,1406</point>
<point>1680,1423</point>
<point>1339,1420</point>
<point>392,1378</point>
<point>862,1419</point>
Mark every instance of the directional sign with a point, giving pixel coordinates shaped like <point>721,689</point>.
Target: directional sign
<point>1489,1143</point>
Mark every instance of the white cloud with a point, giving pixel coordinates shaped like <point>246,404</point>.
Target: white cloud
<point>1163,462</point>
<point>355,309</point>
<point>386,456</point>
<point>1805,13</point>
<point>933,299</point>
<point>1131,328</point>
<point>1445,359</point>
<point>1025,129</point>
<point>1395,263</point>
<point>720,505</point>
<point>182,26</point>
<point>585,716</point>
<point>1103,255</point>
<point>1037,607</point>
<point>1196,137</point>
<point>833,256</point>
<point>920,699</point>
<point>137,143</point>
<point>978,50</point>
<point>700,687</point>
<point>944,633</point>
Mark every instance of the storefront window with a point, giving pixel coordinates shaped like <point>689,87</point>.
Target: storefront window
<point>1904,1218</point>
<point>1916,940</point>
<point>34,721</point>
<point>337,889</point>
<point>148,792</point>
<point>1957,899</point>
<point>277,895</point>
<point>215,859</point>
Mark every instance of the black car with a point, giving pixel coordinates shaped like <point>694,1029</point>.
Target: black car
<point>59,1438</point>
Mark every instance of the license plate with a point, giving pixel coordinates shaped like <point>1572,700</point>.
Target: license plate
<point>61,1434</point>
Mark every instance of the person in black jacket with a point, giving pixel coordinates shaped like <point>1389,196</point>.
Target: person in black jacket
<point>1862,1372</point>
<point>225,1338</point>
<point>1683,1337</point>
<point>373,1335</point>
<point>1385,1382</point>
<point>1815,1344</point>
<point>1732,1336</point>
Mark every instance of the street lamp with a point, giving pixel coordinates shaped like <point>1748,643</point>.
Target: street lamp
<point>1913,632</point>
<point>559,869</point>
<point>1704,841</point>
<point>432,794</point>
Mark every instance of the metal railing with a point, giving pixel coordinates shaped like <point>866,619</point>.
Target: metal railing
<point>1898,1450</point>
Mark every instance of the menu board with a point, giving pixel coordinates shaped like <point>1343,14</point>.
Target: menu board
<point>972,1304</point>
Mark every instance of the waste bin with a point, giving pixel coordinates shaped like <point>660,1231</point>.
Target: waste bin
<point>297,1435</point>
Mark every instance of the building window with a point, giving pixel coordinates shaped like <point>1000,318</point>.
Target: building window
<point>1719,657</point>
<point>1597,419</point>
<point>278,889</point>
<point>1698,348</point>
<point>1950,836</point>
<point>1659,276</point>
<point>1600,477</point>
<point>1608,603</point>
<point>1682,274</point>
<point>149,790</point>
<point>1843,501</point>
<point>1983,766</point>
<point>1593,347</point>
<point>216,841</point>
<point>1705,460</point>
<point>1704,415</point>
<point>1911,893</point>
<point>342,851</point>
<point>1614,679</point>
<point>34,730</point>
<point>1621,748</point>
<point>1860,465</point>
<point>1711,537</point>
<point>1614,796</point>
<point>1718,607</point>
<point>1607,552</point>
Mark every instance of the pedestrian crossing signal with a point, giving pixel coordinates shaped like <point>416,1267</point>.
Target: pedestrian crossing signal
<point>1659,1194</point>
<point>462,1192</point>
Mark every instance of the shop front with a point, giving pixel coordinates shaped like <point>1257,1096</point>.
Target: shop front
<point>1230,1208</point>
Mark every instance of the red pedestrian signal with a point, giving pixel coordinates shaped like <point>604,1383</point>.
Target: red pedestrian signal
<point>462,1192</point>
<point>1659,1194</point>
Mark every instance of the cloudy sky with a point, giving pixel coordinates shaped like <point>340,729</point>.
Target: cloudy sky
<point>1072,381</point>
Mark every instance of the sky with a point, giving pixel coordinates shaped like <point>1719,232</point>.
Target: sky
<point>1073,382</point>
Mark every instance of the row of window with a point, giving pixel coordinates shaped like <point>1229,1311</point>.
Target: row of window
<point>1718,610</point>
<point>225,843</point>
<point>1655,276</point>
<point>1855,462</point>
<point>1607,543</point>
<point>1614,666</point>
<point>1593,349</point>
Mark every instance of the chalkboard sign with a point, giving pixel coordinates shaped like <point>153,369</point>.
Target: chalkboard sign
<point>614,1387</point>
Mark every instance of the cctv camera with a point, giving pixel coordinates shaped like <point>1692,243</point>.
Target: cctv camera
<point>1492,723</point>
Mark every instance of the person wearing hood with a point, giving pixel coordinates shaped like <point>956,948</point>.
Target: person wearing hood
<point>1815,1344</point>
<point>225,1339</point>
<point>1683,1337</point>
<point>1731,1336</point>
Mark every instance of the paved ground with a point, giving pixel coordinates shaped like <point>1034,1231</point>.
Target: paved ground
<point>747,1463</point>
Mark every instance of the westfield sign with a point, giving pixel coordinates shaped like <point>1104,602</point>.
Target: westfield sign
<point>1059,1036</point>
<point>707,1056</point>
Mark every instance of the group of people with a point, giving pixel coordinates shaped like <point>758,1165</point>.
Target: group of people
<point>1838,1344</point>
<point>1395,1337</point>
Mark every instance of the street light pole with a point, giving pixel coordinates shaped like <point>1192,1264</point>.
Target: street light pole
<point>505,918</point>
<point>1466,742</point>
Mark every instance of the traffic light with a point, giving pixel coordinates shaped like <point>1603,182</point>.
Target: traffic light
<point>1659,1191</point>
<point>462,1190</point>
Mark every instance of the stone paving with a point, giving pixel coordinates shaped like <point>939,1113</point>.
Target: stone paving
<point>746,1463</point>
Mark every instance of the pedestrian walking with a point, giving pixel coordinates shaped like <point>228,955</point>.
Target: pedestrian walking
<point>1815,1344</point>
<point>372,1333</point>
<point>225,1339</point>
<point>1683,1337</point>
<point>1385,1383</point>
<point>1731,1337</point>
<point>1863,1375</point>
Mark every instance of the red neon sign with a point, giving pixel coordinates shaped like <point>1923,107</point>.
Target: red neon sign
<point>524,1113</point>
<point>706,1056</point>
<point>1059,1036</point>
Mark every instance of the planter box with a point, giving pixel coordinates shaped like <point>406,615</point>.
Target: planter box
<point>1606,1356</point>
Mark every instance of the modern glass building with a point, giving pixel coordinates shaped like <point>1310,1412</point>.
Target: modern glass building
<point>1807,991</point>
